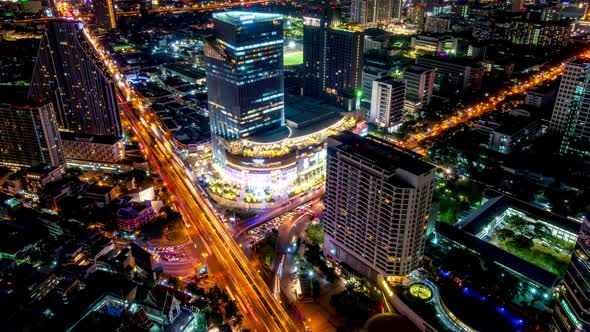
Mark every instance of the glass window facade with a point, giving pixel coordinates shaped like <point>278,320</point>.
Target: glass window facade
<point>244,66</point>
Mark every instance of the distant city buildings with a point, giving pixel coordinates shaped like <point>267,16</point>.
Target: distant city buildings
<point>542,34</point>
<point>69,73</point>
<point>332,55</point>
<point>378,201</point>
<point>29,136</point>
<point>387,103</point>
<point>374,12</point>
<point>570,120</point>
<point>572,312</point>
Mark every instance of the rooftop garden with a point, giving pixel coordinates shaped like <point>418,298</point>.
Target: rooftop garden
<point>533,242</point>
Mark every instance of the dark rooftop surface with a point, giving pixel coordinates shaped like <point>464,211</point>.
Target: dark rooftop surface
<point>96,139</point>
<point>514,124</point>
<point>303,116</point>
<point>387,157</point>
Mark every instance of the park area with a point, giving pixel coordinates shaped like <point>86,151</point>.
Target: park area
<point>293,58</point>
<point>533,242</point>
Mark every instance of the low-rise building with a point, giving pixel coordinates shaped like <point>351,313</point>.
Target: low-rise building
<point>430,44</point>
<point>85,147</point>
<point>510,134</point>
<point>36,178</point>
<point>134,215</point>
<point>458,72</point>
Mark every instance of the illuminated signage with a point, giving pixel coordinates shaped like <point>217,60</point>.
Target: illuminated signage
<point>314,22</point>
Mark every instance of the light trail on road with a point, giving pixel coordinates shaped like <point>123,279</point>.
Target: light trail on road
<point>469,113</point>
<point>261,311</point>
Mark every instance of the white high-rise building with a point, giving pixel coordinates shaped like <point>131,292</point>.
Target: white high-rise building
<point>571,115</point>
<point>419,86</point>
<point>387,103</point>
<point>371,12</point>
<point>378,200</point>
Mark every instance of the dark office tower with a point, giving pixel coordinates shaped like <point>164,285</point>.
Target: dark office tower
<point>104,14</point>
<point>378,200</point>
<point>572,312</point>
<point>244,66</point>
<point>29,136</point>
<point>332,56</point>
<point>69,73</point>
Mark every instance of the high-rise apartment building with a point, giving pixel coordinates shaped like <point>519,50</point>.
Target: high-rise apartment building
<point>542,34</point>
<point>571,114</point>
<point>372,12</point>
<point>333,58</point>
<point>378,200</point>
<point>419,86</point>
<point>572,310</point>
<point>69,73</point>
<point>387,103</point>
<point>244,66</point>
<point>29,136</point>
<point>104,14</point>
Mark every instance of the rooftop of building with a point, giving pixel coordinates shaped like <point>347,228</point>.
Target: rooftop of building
<point>303,116</point>
<point>464,61</point>
<point>40,169</point>
<point>416,69</point>
<point>89,138</point>
<point>240,18</point>
<point>186,70</point>
<point>514,124</point>
<point>499,255</point>
<point>390,80</point>
<point>385,156</point>
<point>498,204</point>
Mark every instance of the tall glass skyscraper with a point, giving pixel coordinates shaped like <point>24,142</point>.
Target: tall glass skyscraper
<point>69,73</point>
<point>244,66</point>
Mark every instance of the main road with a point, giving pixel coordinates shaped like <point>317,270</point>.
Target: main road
<point>260,309</point>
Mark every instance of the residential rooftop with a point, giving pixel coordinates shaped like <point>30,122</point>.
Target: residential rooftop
<point>383,155</point>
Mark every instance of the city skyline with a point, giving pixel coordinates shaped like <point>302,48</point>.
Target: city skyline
<point>272,166</point>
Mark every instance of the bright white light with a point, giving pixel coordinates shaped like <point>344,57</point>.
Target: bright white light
<point>292,44</point>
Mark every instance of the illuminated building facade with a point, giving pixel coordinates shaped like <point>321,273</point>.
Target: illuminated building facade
<point>254,144</point>
<point>69,73</point>
<point>244,66</point>
<point>372,12</point>
<point>332,58</point>
<point>570,119</point>
<point>542,34</point>
<point>378,200</point>
<point>572,311</point>
<point>387,103</point>
<point>104,14</point>
<point>29,136</point>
